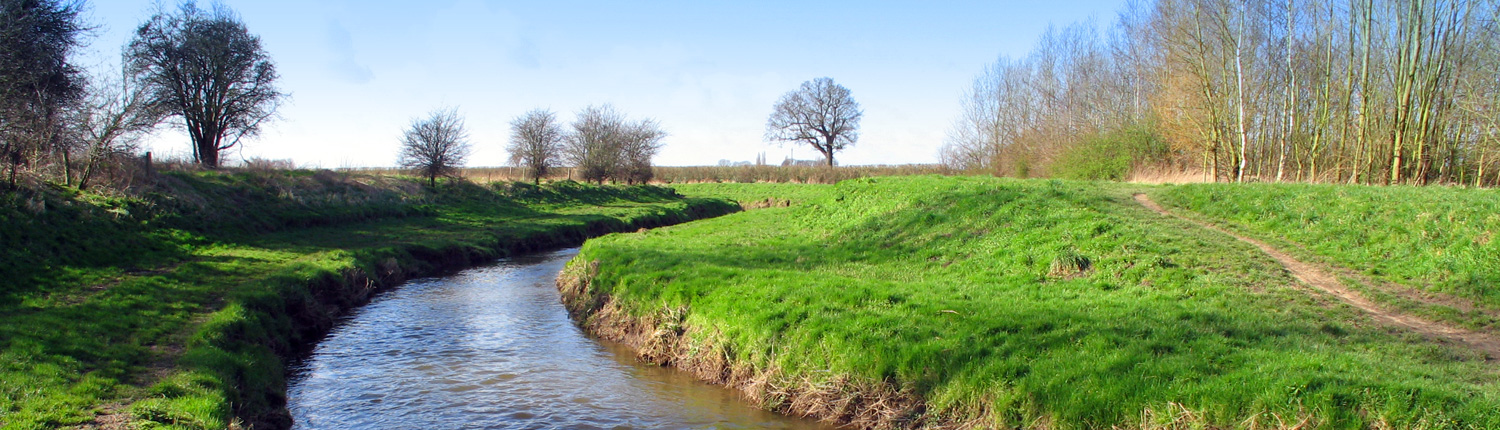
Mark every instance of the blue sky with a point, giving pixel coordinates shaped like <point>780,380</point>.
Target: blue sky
<point>359,71</point>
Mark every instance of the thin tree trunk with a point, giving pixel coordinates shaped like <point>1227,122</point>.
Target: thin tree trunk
<point>1239,74</point>
<point>1479,177</point>
<point>1364,89</point>
<point>1405,86</point>
<point>67,167</point>
<point>1291,91</point>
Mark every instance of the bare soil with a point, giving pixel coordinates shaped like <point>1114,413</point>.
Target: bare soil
<point>1323,280</point>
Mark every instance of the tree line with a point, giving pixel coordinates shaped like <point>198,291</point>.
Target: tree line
<point>201,67</point>
<point>1356,91</point>
<point>600,145</point>
<point>59,122</point>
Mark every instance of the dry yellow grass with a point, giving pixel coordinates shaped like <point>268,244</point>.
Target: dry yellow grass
<point>1161,175</point>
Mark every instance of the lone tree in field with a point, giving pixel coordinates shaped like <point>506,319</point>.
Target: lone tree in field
<point>821,114</point>
<point>436,145</point>
<point>36,79</point>
<point>205,67</point>
<point>535,143</point>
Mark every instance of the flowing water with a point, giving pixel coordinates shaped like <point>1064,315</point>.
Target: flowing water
<point>492,347</point>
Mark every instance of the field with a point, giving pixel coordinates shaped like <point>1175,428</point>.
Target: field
<point>983,302</point>
<point>175,308</point>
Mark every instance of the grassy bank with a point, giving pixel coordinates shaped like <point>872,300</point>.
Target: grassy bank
<point>981,302</point>
<point>174,308</point>
<point>1434,239</point>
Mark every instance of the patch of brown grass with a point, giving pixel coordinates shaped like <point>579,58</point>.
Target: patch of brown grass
<point>1160,175</point>
<point>1175,416</point>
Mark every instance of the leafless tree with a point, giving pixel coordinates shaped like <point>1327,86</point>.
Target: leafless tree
<point>821,113</point>
<point>436,145</point>
<point>605,146</point>
<point>640,141</point>
<point>37,80</point>
<point>110,121</point>
<point>535,142</point>
<point>593,147</point>
<point>206,67</point>
<point>1021,112</point>
<point>1353,91</point>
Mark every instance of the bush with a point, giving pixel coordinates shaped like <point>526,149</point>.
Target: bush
<point>1110,155</point>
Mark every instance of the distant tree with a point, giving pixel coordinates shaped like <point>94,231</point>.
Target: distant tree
<point>821,113</point>
<point>206,68</point>
<point>535,142</point>
<point>594,145</point>
<point>435,146</point>
<point>604,146</point>
<point>36,79</point>
<point>640,141</point>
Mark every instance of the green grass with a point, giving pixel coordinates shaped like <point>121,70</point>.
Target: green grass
<point>1023,302</point>
<point>177,306</point>
<point>796,193</point>
<point>1435,238</point>
<point>787,174</point>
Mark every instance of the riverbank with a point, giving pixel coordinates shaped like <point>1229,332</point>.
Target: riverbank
<point>930,302</point>
<point>493,347</point>
<point>175,307</point>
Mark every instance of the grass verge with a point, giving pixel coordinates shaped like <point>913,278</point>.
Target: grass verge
<point>982,302</point>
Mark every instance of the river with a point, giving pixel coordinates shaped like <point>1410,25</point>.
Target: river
<point>493,347</point>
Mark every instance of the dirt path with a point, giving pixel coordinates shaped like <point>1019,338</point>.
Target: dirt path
<point>1321,279</point>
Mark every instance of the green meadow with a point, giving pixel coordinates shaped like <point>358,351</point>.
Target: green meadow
<point>176,308</point>
<point>1432,240</point>
<point>1043,304</point>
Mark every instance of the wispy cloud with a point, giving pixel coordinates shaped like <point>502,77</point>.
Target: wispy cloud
<point>342,62</point>
<point>526,54</point>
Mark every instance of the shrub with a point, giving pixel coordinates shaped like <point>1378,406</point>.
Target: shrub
<point>1110,155</point>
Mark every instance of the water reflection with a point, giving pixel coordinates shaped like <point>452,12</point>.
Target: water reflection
<point>492,347</point>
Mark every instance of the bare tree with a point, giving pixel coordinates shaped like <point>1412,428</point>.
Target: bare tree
<point>36,79</point>
<point>111,120</point>
<point>821,113</point>
<point>640,141</point>
<point>435,146</point>
<point>593,147</point>
<point>1022,114</point>
<point>535,142</point>
<point>1371,91</point>
<point>605,146</point>
<point>207,68</point>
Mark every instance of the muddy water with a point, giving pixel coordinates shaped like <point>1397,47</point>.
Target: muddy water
<point>492,347</point>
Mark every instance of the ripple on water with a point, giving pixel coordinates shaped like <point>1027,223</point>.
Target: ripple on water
<point>492,347</point>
